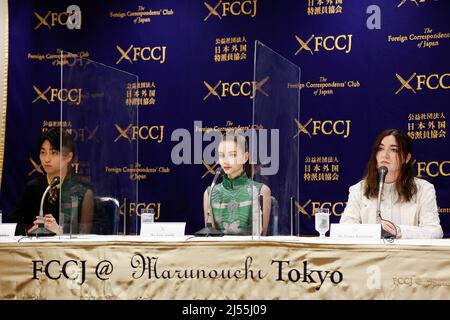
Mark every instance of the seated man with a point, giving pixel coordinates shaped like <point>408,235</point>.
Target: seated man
<point>77,196</point>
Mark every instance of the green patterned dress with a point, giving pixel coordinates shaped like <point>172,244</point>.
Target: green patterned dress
<point>234,203</point>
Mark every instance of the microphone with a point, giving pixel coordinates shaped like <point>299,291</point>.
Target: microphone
<point>41,231</point>
<point>219,172</point>
<point>56,180</point>
<point>382,172</point>
<point>208,230</point>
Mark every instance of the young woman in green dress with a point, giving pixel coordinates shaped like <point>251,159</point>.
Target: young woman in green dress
<point>235,201</point>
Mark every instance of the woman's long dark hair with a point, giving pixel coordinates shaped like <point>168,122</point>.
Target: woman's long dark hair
<point>404,185</point>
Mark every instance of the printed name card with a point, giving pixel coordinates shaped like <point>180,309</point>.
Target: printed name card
<point>163,229</point>
<point>355,231</point>
<point>7,229</point>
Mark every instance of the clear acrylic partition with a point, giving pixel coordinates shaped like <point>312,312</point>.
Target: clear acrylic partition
<point>99,112</point>
<point>276,110</point>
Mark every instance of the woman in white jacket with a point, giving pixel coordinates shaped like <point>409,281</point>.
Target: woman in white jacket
<point>408,204</point>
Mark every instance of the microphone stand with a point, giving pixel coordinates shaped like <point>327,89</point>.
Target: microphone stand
<point>380,191</point>
<point>384,234</point>
<point>209,230</point>
<point>41,231</point>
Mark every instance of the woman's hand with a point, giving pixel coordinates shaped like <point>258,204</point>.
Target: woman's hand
<point>391,228</point>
